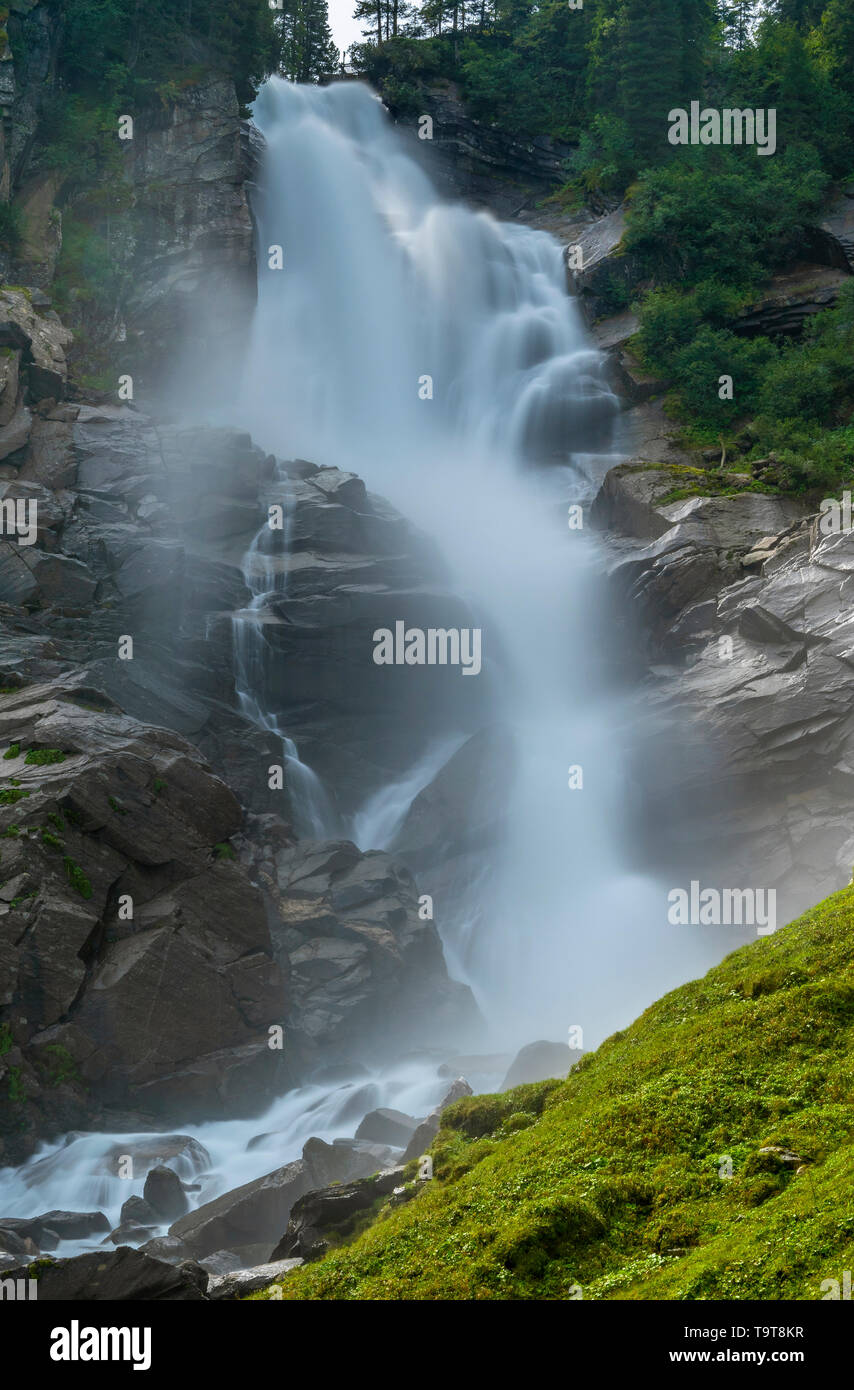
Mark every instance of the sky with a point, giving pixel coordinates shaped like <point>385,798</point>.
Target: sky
<point>345,29</point>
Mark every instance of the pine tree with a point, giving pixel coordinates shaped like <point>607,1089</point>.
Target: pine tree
<point>308,49</point>
<point>650,70</point>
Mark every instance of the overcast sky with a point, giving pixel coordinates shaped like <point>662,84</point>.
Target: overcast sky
<point>345,29</point>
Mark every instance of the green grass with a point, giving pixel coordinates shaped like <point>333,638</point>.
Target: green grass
<point>615,1183</point>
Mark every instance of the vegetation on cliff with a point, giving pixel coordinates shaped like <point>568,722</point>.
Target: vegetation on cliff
<point>706,1152</point>
<point>707,225</point>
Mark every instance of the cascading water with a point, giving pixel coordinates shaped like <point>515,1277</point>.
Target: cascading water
<point>435,351</point>
<point>266,580</point>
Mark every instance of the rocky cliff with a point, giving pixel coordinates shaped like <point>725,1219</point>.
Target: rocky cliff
<point>158,917</point>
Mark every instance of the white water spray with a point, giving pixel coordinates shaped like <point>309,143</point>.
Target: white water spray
<point>436,352</point>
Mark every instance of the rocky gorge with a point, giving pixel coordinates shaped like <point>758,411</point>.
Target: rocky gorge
<point>174,946</point>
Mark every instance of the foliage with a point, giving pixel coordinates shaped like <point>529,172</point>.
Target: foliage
<point>76,877</point>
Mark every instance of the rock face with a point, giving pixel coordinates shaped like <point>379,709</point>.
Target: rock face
<point>354,566</point>
<point>180,231</point>
<point>139,535</point>
<point>748,746</point>
<point>364,967</point>
<point>193,264</point>
<point>693,547</point>
<point>165,1010</point>
<point>470,160</point>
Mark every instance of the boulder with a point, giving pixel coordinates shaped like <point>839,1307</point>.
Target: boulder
<point>387,1127</point>
<point>322,1219</point>
<point>246,1215</point>
<point>165,1194</point>
<point>539,1061</point>
<point>240,1282</point>
<point>136,1211</point>
<point>169,1249</point>
<point>120,1276</point>
<point>52,1227</point>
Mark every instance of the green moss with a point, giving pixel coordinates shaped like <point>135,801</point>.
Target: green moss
<point>10,795</point>
<point>224,851</point>
<point>77,878</point>
<point>56,1065</point>
<point>158,786</point>
<point>57,821</point>
<point>117,807</point>
<point>6,1040</point>
<point>42,756</point>
<point>619,1181</point>
<point>51,840</point>
<point>13,751</point>
<point>16,1091</point>
<point>11,832</point>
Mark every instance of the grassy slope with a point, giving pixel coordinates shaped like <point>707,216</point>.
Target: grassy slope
<point>592,1181</point>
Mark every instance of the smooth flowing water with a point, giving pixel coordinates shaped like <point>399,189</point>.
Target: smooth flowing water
<point>436,352</point>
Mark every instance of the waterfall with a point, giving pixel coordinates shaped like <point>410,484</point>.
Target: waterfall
<point>436,351</point>
<point>266,579</point>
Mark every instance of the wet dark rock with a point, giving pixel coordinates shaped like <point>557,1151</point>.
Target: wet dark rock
<point>164,1194</point>
<point>120,1276</point>
<point>387,1127</point>
<point>246,1215</point>
<point>322,1219</point>
<point>240,1282</point>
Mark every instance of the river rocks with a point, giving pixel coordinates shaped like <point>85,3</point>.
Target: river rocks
<point>121,1276</point>
<point>241,1282</point>
<point>387,1127</point>
<point>322,1219</point>
<point>164,1194</point>
<point>247,1215</point>
<point>54,1226</point>
<point>344,1160</point>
